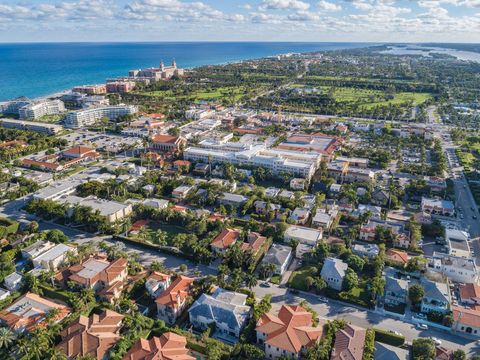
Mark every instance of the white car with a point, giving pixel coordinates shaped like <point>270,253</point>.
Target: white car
<point>422,326</point>
<point>436,341</point>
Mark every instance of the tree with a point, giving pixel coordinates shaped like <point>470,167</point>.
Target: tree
<point>416,292</point>
<point>7,337</point>
<point>32,227</point>
<point>32,283</point>
<point>183,268</point>
<point>356,262</point>
<point>459,354</point>
<point>250,281</point>
<point>423,349</point>
<point>350,280</point>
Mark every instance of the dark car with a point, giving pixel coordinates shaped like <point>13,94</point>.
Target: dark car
<point>294,292</point>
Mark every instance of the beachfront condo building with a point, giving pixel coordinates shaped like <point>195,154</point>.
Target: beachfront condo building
<point>79,119</point>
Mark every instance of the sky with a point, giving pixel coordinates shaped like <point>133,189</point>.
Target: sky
<point>240,20</point>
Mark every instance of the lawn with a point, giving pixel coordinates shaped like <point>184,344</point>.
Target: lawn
<point>203,94</point>
<point>298,279</point>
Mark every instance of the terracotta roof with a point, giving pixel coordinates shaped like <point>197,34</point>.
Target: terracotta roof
<point>177,292</point>
<point>159,138</point>
<point>465,316</point>
<point>255,242</point>
<point>137,225</point>
<point>80,151</point>
<point>349,343</point>
<point>225,239</point>
<point>116,267</point>
<point>398,255</point>
<point>44,164</point>
<point>13,142</point>
<point>93,335</point>
<point>169,346</point>
<point>178,208</point>
<point>292,330</point>
<point>470,292</point>
<point>181,163</point>
<point>442,353</point>
<point>158,276</point>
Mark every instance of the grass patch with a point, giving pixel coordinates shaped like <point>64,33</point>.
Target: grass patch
<point>298,279</point>
<point>275,279</point>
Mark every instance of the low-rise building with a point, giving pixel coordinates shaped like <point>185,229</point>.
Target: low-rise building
<point>300,215</point>
<point>436,298</point>
<point>31,310</point>
<point>157,283</point>
<point>172,301</point>
<point>367,250</point>
<point>54,257</point>
<point>466,321</point>
<point>168,346</point>
<point>396,291</point>
<point>469,294</point>
<point>167,143</point>
<point>303,235</point>
<point>289,334</point>
<point>224,240</point>
<point>13,281</point>
<point>44,128</point>
<point>456,269</point>
<point>182,191</point>
<point>298,184</point>
<point>333,272</point>
<point>397,256</point>
<point>280,256</point>
<point>438,206</point>
<point>233,200</point>
<point>225,309</point>
<point>349,343</point>
<point>36,249</point>
<point>91,336</point>
<point>457,243</point>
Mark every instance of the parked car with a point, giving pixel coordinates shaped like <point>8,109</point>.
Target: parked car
<point>437,341</point>
<point>265,284</point>
<point>422,326</point>
<point>395,332</point>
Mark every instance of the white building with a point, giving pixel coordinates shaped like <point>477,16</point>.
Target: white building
<point>280,256</point>
<point>50,129</point>
<point>333,272</point>
<point>457,269</point>
<point>47,107</point>
<point>79,119</point>
<point>51,259</point>
<point>457,243</point>
<point>13,281</point>
<point>303,235</point>
<point>57,190</point>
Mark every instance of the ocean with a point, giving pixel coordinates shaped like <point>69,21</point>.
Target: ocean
<point>38,69</point>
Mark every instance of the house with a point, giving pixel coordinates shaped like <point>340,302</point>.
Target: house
<point>303,235</point>
<point>167,143</point>
<point>289,334</point>
<point>156,203</point>
<point>13,281</point>
<point>168,346</point>
<point>111,210</point>
<point>225,309</point>
<point>438,206</point>
<point>397,256</point>
<point>173,300</point>
<point>333,272</point>
<point>271,192</point>
<point>374,211</point>
<point>389,352</point>
<point>201,169</point>
<point>469,294</point>
<point>31,310</point>
<point>52,258</point>
<point>466,320</point>
<point>263,207</point>
<point>91,336</point>
<point>367,250</point>
<point>285,194</point>
<point>456,269</point>
<point>380,197</point>
<point>4,294</point>
<point>255,242</point>
<point>300,215</point>
<point>298,184</point>
<point>396,291</point>
<point>182,165</point>
<point>443,353</point>
<point>324,219</point>
<point>280,256</point>
<point>181,192</point>
<point>349,343</point>
<point>157,283</point>
<point>104,277</point>
<point>436,298</point>
<point>224,240</point>
<point>36,249</point>
<point>457,243</point>
<point>233,200</point>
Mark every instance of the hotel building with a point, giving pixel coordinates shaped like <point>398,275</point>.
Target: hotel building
<point>79,119</point>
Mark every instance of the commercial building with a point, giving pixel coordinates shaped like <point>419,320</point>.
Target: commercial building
<point>57,190</point>
<point>438,206</point>
<point>90,89</point>
<point>49,129</point>
<point>111,210</point>
<point>88,117</point>
<point>37,110</point>
<point>154,74</point>
<point>167,143</point>
<point>457,269</point>
<point>457,243</point>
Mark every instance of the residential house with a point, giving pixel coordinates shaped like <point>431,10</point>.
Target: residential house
<point>31,310</point>
<point>367,250</point>
<point>157,283</point>
<point>36,249</point>
<point>349,343</point>
<point>255,243</point>
<point>443,353</point>
<point>167,143</point>
<point>456,269</point>
<point>300,215</point>
<point>324,219</point>
<point>374,211</point>
<point>182,166</point>
<point>396,291</point>
<point>289,334</point>
<point>158,204</point>
<point>225,309</point>
<point>438,206</point>
<point>263,207</point>
<point>91,336</point>
<point>380,197</point>
<point>182,191</point>
<point>13,281</point>
<point>224,240</point>
<point>172,302</point>
<point>396,256</point>
<point>271,192</point>
<point>333,272</point>
<point>298,184</point>
<point>457,243</point>
<point>4,294</point>
<point>280,256</point>
<point>52,258</point>
<point>202,169</point>
<point>303,235</point>
<point>168,346</point>
<point>285,194</point>
<point>436,298</point>
<point>466,320</point>
<point>469,294</point>
<point>389,352</point>
<point>233,200</point>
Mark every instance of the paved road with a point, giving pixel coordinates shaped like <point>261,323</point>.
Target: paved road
<point>365,318</point>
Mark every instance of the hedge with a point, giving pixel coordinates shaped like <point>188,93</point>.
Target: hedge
<point>389,338</point>
<point>55,294</point>
<point>7,227</point>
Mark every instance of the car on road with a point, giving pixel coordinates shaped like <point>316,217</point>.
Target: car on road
<point>437,341</point>
<point>323,299</point>
<point>422,326</point>
<point>265,284</point>
<point>395,332</point>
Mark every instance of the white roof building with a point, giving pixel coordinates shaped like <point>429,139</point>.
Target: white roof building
<point>303,235</point>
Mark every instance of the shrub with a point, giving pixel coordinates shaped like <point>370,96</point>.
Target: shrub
<point>389,338</point>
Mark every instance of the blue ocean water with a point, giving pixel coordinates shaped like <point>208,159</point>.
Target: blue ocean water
<point>37,69</point>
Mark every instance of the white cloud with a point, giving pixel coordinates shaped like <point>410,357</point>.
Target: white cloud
<point>328,6</point>
<point>284,5</point>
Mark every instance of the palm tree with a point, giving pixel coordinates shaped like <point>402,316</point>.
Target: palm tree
<point>56,354</point>
<point>7,337</point>
<point>250,281</point>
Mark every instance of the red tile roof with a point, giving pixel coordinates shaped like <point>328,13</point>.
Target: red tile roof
<point>225,239</point>
<point>467,317</point>
<point>255,242</point>
<point>80,151</point>
<point>397,255</point>
<point>292,330</point>
<point>349,343</point>
<point>177,292</point>
<point>169,346</point>
<point>470,292</point>
<point>159,138</point>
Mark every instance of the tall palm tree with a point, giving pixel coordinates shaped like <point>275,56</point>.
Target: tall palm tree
<point>7,337</point>
<point>56,354</point>
<point>251,281</point>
